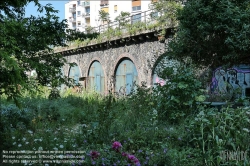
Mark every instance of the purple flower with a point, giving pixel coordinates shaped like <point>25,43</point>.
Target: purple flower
<point>179,138</point>
<point>124,154</point>
<point>133,159</point>
<point>140,151</point>
<point>147,158</point>
<point>94,154</point>
<point>116,146</point>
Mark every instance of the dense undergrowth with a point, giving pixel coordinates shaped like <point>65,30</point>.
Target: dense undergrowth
<point>160,126</point>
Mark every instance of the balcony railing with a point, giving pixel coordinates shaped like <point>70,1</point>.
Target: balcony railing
<point>86,15</point>
<point>146,17</point>
<point>72,10</point>
<point>104,2</point>
<point>86,4</point>
<point>72,19</point>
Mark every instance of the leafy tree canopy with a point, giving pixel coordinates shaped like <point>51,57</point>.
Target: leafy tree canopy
<point>213,33</point>
<point>26,44</point>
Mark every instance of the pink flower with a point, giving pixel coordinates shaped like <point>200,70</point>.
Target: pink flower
<point>124,154</point>
<point>94,154</point>
<point>116,146</point>
<point>133,159</point>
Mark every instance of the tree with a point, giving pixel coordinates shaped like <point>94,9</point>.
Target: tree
<point>123,18</point>
<point>25,45</point>
<point>103,16</point>
<point>213,33</point>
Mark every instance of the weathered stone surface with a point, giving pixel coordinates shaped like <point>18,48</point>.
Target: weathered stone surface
<point>143,53</point>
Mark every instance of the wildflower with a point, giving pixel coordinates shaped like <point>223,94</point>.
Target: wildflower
<point>94,154</point>
<point>14,143</point>
<point>13,137</point>
<point>29,131</point>
<point>116,146</point>
<point>179,138</point>
<point>93,162</point>
<point>133,159</point>
<point>19,145</point>
<point>24,139</point>
<point>140,151</point>
<point>40,148</point>
<point>27,143</point>
<point>61,146</point>
<point>124,154</point>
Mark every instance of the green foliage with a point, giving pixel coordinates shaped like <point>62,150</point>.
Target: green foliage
<point>123,19</point>
<point>177,98</point>
<point>213,132</point>
<point>213,33</point>
<point>26,45</point>
<point>103,16</point>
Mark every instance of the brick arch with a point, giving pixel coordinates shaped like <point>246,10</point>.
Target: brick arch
<point>104,72</point>
<point>119,60</point>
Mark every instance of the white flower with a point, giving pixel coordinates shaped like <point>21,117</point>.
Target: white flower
<point>29,131</point>
<point>55,149</point>
<point>27,142</point>
<point>19,145</point>
<point>61,146</point>
<point>13,137</point>
<point>40,148</point>
<point>40,139</point>
<point>246,130</point>
<point>14,143</point>
<point>55,138</point>
<point>34,148</point>
<point>24,139</point>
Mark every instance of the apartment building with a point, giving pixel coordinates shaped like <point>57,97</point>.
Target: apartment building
<point>84,13</point>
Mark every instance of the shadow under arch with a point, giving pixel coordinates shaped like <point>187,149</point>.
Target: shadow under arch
<point>126,74</point>
<point>96,76</point>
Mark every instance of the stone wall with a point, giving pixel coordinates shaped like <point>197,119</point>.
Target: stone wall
<point>142,53</point>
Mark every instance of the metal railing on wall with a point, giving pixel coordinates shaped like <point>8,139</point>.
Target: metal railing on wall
<point>146,17</point>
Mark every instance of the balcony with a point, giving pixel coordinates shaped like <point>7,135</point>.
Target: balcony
<point>86,4</point>
<point>86,15</point>
<point>72,10</point>
<point>72,19</point>
<point>104,2</point>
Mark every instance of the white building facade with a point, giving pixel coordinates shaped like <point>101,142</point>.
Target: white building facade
<point>85,13</point>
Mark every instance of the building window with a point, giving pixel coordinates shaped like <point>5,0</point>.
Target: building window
<point>79,23</point>
<point>78,2</point>
<point>135,8</point>
<point>136,18</point>
<point>115,8</point>
<point>87,10</point>
<point>78,13</point>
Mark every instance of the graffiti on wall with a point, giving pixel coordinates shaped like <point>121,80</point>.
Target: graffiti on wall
<point>227,80</point>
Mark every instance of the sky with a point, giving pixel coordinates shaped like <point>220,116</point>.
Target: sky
<point>57,4</point>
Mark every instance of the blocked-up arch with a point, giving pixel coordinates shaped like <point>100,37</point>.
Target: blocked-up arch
<point>74,73</point>
<point>96,78</point>
<point>125,74</point>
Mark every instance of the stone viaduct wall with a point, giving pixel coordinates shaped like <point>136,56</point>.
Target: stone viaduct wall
<point>141,50</point>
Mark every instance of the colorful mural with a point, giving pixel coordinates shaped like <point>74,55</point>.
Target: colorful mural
<point>227,80</point>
